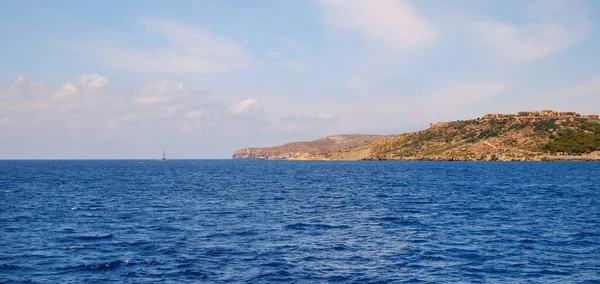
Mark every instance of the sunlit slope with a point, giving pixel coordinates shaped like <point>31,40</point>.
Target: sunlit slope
<point>526,137</point>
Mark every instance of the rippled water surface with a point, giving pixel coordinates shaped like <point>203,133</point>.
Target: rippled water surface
<point>303,222</point>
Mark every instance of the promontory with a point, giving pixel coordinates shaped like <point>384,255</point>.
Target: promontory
<point>524,136</point>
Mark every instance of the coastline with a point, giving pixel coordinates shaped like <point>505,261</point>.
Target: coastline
<point>525,136</point>
<point>593,157</point>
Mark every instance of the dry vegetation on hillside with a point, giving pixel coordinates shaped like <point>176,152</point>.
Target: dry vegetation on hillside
<point>505,138</point>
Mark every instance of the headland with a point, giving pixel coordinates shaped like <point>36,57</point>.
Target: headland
<point>542,135</point>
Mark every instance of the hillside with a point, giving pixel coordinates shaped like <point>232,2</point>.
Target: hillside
<point>320,149</point>
<point>526,136</point>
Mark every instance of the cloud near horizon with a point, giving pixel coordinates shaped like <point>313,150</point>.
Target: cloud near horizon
<point>90,93</point>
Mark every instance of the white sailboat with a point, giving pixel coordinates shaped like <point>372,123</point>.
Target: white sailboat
<point>164,158</point>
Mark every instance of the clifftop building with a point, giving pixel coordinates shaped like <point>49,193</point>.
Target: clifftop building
<point>526,115</point>
<point>542,113</point>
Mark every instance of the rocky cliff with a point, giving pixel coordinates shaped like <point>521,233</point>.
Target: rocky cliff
<point>506,138</point>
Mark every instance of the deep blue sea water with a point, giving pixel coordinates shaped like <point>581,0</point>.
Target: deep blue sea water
<point>299,222</point>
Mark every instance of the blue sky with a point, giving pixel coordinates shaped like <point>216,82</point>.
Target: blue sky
<point>127,79</point>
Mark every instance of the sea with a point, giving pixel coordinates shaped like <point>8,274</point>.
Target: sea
<point>246,221</point>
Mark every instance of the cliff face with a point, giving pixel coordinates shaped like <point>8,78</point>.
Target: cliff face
<point>507,138</point>
<point>321,149</point>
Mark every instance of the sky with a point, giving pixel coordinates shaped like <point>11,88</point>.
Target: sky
<point>199,79</point>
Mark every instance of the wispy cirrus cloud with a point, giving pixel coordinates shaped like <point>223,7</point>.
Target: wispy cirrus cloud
<point>392,22</point>
<point>188,49</point>
<point>551,26</point>
<point>583,96</point>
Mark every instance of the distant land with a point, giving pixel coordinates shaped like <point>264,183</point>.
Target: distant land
<point>543,135</point>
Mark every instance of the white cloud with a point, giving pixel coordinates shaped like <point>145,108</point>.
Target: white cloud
<point>91,81</point>
<point>96,115</point>
<point>393,22</point>
<point>165,106</point>
<point>84,84</point>
<point>66,91</point>
<point>322,116</point>
<point>87,103</point>
<point>554,25</point>
<point>35,104</point>
<point>22,88</point>
<point>23,94</point>
<point>249,106</point>
<point>190,49</point>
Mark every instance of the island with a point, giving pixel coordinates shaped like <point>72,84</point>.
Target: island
<point>543,135</point>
